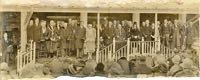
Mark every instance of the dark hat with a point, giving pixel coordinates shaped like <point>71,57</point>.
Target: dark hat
<point>99,67</point>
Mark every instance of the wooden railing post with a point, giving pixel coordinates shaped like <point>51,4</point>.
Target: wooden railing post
<point>142,45</point>
<point>128,48</point>
<point>113,52</point>
<point>31,50</point>
<point>18,60</point>
<point>34,52</point>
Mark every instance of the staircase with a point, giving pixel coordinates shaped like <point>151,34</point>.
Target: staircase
<point>27,57</point>
<point>133,48</point>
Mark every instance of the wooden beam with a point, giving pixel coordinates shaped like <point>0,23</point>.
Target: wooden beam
<point>94,10</point>
<point>23,32</point>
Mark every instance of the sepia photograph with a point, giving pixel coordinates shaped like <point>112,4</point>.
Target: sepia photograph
<point>46,39</point>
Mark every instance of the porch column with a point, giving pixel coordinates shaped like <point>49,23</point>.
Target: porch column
<point>1,32</point>
<point>23,31</point>
<point>182,17</point>
<point>136,18</point>
<point>83,18</point>
<point>98,37</point>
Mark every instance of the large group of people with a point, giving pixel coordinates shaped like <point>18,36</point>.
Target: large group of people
<point>182,64</point>
<point>65,37</point>
<point>70,37</point>
<point>172,34</point>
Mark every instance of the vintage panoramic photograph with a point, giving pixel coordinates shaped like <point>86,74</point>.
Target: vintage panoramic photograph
<point>107,38</point>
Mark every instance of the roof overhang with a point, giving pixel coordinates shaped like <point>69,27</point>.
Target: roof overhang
<point>103,6</point>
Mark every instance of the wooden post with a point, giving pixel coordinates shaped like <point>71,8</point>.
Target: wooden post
<point>113,51</point>
<point>34,52</point>
<point>128,48</point>
<point>31,51</point>
<point>199,40</point>
<point>18,60</point>
<point>142,45</point>
<point>23,32</point>
<point>98,37</point>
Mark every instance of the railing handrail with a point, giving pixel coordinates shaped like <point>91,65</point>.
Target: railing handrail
<point>121,48</point>
<point>25,58</point>
<point>106,47</point>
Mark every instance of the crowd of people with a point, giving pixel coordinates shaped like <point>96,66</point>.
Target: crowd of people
<point>62,37</point>
<point>172,34</point>
<point>182,64</point>
<point>71,37</point>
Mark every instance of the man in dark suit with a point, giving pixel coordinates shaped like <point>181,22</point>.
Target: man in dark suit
<point>147,31</point>
<point>36,31</point>
<point>165,32</point>
<point>108,34</point>
<point>176,35</point>
<point>80,36</point>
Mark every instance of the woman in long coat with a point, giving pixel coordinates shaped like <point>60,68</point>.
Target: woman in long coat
<point>90,40</point>
<point>108,34</point>
<point>70,38</point>
<point>30,30</point>
<point>51,43</point>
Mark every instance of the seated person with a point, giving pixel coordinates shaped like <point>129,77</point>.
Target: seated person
<point>132,64</point>
<point>142,68</point>
<point>123,62</point>
<point>99,70</point>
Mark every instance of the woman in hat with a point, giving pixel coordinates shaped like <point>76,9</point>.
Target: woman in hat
<point>90,40</point>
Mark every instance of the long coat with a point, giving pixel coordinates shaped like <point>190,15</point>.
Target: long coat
<point>90,39</point>
<point>108,35</point>
<point>36,33</point>
<point>52,37</point>
<point>176,36</point>
<point>30,32</point>
<point>147,33</point>
<point>70,34</point>
<point>80,37</point>
<point>63,38</point>
<point>120,33</point>
<point>134,33</point>
<point>189,35</point>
